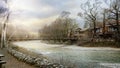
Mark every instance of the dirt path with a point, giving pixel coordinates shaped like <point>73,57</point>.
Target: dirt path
<point>13,62</point>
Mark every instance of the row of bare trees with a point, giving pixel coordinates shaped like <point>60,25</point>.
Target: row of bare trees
<point>94,12</point>
<point>60,28</point>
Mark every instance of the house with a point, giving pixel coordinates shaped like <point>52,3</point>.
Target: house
<point>74,34</point>
<point>108,31</point>
<point>79,34</point>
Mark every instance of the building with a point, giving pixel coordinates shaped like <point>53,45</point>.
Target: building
<point>108,31</point>
<point>79,34</point>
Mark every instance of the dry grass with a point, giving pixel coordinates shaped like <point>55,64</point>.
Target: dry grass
<point>13,62</point>
<point>102,44</point>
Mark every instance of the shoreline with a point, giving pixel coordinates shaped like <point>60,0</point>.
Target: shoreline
<point>79,48</point>
<point>33,59</point>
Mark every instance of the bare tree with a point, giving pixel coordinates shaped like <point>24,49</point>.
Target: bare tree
<point>4,12</point>
<point>105,13</point>
<point>60,28</point>
<point>114,9</point>
<point>90,13</point>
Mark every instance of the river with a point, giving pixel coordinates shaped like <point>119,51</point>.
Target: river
<point>79,57</point>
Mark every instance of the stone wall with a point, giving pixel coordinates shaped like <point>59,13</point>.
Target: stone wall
<point>39,62</point>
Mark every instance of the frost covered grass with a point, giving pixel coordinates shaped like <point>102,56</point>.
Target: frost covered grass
<point>67,61</point>
<point>72,56</point>
<point>64,61</point>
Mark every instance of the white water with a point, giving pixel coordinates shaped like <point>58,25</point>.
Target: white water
<point>81,56</point>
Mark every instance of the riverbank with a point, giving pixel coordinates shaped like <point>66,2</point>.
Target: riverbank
<point>111,44</point>
<point>12,62</point>
<point>37,60</point>
<point>102,44</point>
<point>81,57</point>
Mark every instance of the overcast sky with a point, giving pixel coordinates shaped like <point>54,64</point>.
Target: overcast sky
<point>34,14</point>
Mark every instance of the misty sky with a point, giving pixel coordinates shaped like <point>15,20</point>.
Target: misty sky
<point>33,14</point>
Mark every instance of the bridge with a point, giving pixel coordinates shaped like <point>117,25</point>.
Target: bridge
<point>25,39</point>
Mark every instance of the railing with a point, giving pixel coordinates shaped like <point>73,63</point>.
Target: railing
<point>1,61</point>
<point>44,39</point>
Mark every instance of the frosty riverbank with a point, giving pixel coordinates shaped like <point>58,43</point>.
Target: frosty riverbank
<point>79,56</point>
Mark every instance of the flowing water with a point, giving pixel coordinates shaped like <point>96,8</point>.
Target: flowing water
<point>79,57</point>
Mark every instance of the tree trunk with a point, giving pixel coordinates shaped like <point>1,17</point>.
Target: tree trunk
<point>3,35</point>
<point>117,24</point>
<point>94,29</point>
<point>103,24</point>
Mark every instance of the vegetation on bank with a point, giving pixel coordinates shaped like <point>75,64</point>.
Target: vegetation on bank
<point>39,60</point>
<point>102,44</point>
<point>59,29</point>
<point>102,23</point>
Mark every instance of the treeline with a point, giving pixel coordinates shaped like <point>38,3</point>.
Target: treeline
<point>106,13</point>
<point>59,29</point>
<point>96,16</point>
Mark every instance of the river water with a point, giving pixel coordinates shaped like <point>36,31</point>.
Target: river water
<point>78,57</point>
